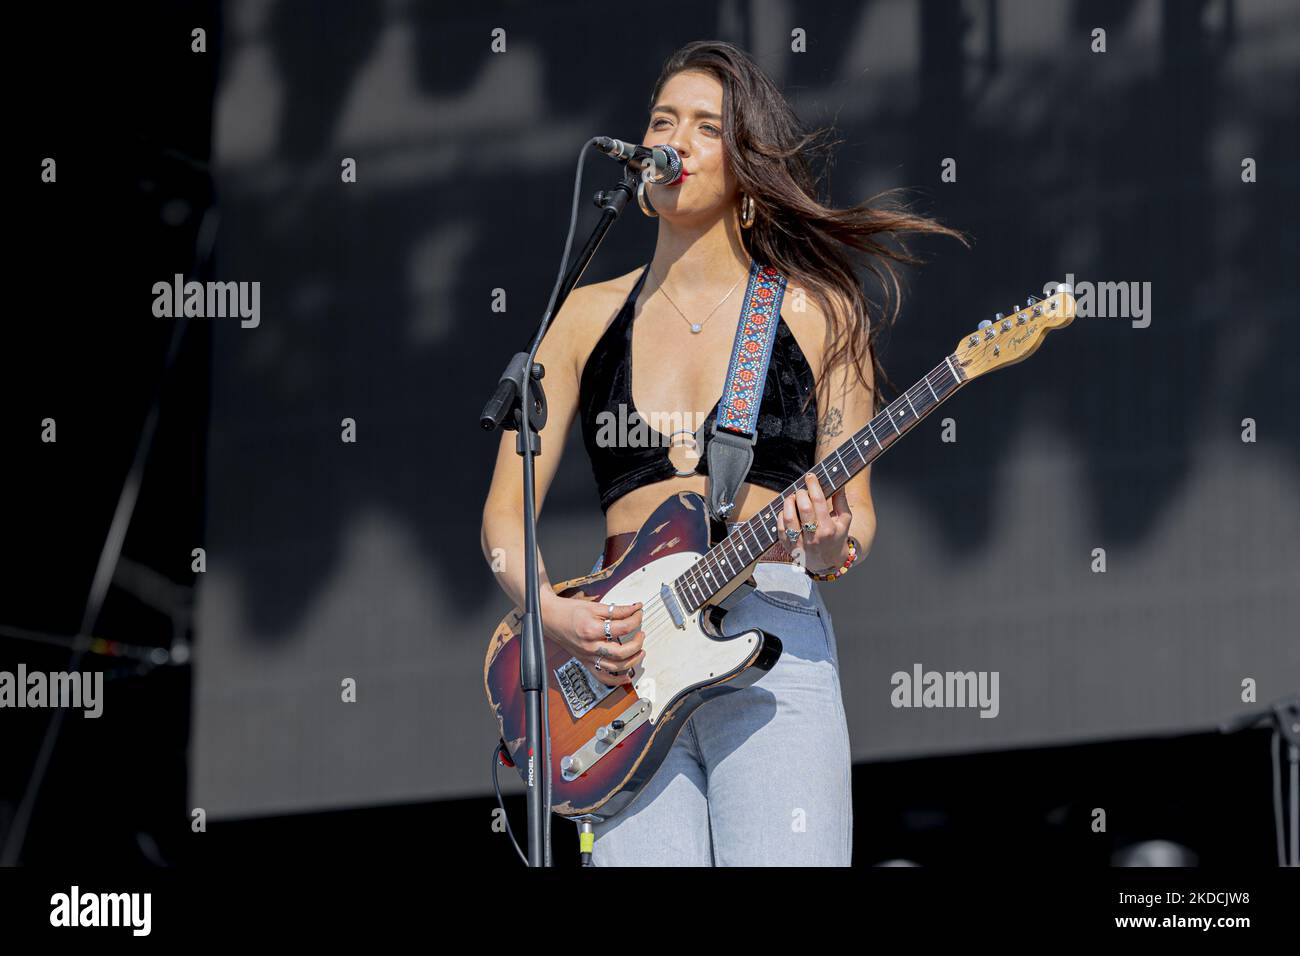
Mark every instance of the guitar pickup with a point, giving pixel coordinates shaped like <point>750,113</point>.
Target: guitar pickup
<point>674,609</point>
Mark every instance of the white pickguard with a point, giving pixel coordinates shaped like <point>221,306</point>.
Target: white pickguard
<point>674,658</point>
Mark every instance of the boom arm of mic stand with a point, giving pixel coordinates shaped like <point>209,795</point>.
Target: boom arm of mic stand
<point>506,408</point>
<point>611,202</point>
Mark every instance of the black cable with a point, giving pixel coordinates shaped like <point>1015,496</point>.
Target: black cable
<point>496,785</point>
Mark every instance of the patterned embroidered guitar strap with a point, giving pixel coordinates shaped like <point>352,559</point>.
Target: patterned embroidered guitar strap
<point>735,430</point>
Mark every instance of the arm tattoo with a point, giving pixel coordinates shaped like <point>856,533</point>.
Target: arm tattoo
<point>832,424</point>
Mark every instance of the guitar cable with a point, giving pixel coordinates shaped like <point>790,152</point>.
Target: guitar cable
<point>497,755</point>
<point>586,838</point>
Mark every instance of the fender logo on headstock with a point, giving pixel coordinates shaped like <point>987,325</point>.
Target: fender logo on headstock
<point>1023,338</point>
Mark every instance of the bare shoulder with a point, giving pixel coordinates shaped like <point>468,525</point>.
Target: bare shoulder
<point>588,312</point>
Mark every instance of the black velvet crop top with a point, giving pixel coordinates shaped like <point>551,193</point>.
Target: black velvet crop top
<point>787,432</point>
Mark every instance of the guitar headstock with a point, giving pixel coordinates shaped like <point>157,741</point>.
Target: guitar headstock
<point>1012,338</point>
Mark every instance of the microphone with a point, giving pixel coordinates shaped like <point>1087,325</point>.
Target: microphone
<point>658,164</point>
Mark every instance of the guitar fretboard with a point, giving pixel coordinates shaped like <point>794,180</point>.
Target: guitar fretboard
<point>731,556</point>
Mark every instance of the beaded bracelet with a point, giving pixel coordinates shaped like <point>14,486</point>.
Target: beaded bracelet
<point>838,572</point>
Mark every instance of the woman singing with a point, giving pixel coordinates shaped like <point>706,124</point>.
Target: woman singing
<point>762,776</point>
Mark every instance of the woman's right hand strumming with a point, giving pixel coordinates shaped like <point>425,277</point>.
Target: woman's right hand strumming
<point>578,625</point>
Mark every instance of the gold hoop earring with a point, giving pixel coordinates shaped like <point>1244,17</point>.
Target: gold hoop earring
<point>644,202</point>
<point>747,211</point>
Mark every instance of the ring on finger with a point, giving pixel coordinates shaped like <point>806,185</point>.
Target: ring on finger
<point>810,527</point>
<point>791,534</point>
<point>607,632</point>
<point>609,612</point>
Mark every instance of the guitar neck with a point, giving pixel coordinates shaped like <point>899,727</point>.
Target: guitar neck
<point>732,556</point>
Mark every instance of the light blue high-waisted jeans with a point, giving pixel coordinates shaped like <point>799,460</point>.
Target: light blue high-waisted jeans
<point>760,777</point>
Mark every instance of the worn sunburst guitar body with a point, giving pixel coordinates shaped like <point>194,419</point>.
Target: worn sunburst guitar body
<point>607,742</point>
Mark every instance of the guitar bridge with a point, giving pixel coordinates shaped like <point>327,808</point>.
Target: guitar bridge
<point>580,689</point>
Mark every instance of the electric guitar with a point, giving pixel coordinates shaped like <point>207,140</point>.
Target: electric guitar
<point>607,742</point>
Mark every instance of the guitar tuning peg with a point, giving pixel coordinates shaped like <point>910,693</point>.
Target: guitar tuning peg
<point>1031,300</point>
<point>1064,288</point>
<point>987,322</point>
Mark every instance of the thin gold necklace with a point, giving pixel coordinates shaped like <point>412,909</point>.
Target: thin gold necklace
<point>696,327</point>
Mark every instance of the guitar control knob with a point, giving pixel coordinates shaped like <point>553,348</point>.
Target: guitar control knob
<point>571,766</point>
<point>606,734</point>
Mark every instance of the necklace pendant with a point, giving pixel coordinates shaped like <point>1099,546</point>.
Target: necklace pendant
<point>696,327</point>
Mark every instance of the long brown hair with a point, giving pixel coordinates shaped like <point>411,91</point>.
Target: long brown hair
<point>768,151</point>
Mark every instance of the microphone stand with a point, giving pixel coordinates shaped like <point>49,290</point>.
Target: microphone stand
<point>508,409</point>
